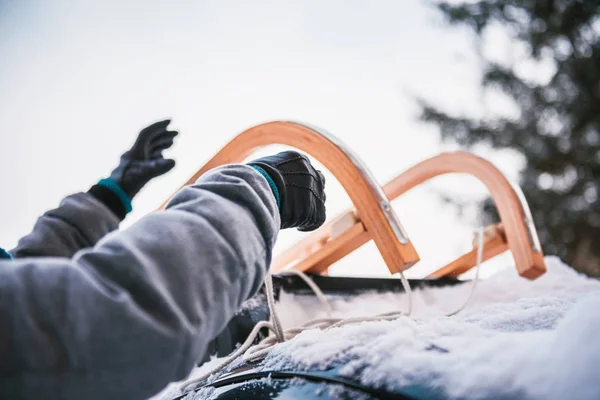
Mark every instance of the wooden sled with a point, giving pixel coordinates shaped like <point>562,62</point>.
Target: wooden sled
<point>379,222</point>
<point>373,217</point>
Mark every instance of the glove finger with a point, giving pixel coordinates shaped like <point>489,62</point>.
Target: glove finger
<point>317,224</point>
<point>151,131</point>
<point>322,177</point>
<point>309,228</point>
<point>159,146</point>
<point>162,166</point>
<point>157,126</point>
<point>156,154</point>
<point>141,147</point>
<point>164,134</point>
<point>163,141</point>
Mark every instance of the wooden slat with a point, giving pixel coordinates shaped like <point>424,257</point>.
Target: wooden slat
<point>493,245</point>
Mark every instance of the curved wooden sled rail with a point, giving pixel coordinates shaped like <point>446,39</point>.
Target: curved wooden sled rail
<point>517,231</point>
<point>378,220</point>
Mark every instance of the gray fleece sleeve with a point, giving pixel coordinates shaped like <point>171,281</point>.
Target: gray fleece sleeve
<point>78,223</point>
<point>123,319</point>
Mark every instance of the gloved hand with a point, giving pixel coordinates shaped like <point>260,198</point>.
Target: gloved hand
<point>144,161</point>
<point>299,188</point>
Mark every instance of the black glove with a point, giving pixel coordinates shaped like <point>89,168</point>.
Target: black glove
<point>138,166</point>
<point>145,160</point>
<point>300,188</point>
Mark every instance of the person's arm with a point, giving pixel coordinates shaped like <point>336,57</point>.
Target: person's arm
<point>123,319</point>
<point>79,222</point>
<point>83,219</point>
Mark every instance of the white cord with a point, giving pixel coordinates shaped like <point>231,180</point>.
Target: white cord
<point>317,291</point>
<point>276,322</point>
<point>480,237</point>
<point>261,350</point>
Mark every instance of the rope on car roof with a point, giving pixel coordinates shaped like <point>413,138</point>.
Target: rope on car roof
<point>259,351</point>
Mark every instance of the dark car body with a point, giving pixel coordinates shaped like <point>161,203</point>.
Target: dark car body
<point>247,383</point>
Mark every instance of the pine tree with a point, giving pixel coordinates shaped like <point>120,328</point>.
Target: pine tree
<point>558,126</point>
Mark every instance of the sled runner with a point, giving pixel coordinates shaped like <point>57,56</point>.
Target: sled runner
<point>373,217</point>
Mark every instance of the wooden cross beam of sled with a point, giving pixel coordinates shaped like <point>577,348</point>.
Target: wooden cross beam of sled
<point>379,222</point>
<point>517,232</point>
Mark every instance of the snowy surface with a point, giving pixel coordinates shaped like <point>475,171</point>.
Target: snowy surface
<point>515,339</point>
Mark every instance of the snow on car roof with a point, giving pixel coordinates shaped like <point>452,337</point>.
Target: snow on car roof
<point>516,338</point>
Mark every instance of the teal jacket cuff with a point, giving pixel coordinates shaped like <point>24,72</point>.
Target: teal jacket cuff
<point>4,255</point>
<point>271,184</point>
<point>117,190</point>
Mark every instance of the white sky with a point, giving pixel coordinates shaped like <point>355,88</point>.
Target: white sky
<point>79,79</point>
